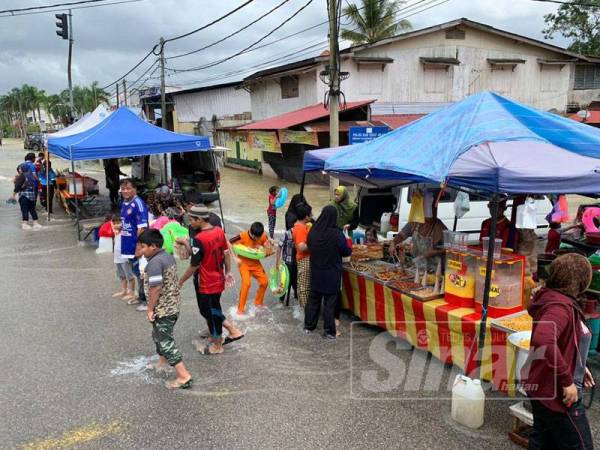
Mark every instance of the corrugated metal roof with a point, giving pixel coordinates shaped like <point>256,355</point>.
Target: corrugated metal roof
<point>345,125</point>
<point>300,116</point>
<point>389,108</point>
<point>593,117</point>
<point>397,120</point>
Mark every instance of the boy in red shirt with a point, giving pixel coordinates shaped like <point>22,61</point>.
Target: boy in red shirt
<point>209,255</point>
<point>255,237</point>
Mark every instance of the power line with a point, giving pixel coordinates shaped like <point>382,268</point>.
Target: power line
<point>585,5</point>
<point>253,48</point>
<point>221,61</point>
<point>47,11</point>
<point>276,41</point>
<point>33,8</point>
<point>232,34</point>
<point>203,27</point>
<point>152,51</point>
<point>132,69</point>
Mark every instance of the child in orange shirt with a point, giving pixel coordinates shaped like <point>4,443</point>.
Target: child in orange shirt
<point>300,235</point>
<point>255,237</point>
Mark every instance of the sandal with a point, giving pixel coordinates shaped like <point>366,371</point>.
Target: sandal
<point>229,340</point>
<point>133,301</point>
<point>206,350</point>
<point>178,384</point>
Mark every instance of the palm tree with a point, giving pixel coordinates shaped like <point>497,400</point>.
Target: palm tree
<point>374,20</point>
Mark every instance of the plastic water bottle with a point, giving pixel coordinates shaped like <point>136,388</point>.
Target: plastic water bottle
<point>468,402</point>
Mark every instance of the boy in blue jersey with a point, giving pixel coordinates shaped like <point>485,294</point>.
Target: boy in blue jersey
<point>134,215</point>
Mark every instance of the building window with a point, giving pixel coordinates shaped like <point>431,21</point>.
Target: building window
<point>370,79</point>
<point>502,81</point>
<point>436,80</point>
<point>289,87</point>
<point>455,33</point>
<point>551,78</point>
<point>587,77</point>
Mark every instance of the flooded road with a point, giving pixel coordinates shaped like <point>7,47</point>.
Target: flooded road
<point>245,195</point>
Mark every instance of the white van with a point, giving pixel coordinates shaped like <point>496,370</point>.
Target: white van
<point>373,203</point>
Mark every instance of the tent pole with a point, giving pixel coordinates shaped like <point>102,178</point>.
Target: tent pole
<point>488,281</point>
<point>302,184</point>
<point>46,158</point>
<point>455,224</point>
<point>216,167</point>
<point>76,200</point>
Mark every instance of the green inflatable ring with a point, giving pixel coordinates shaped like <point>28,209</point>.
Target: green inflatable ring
<point>279,280</point>
<point>247,252</point>
<point>170,232</point>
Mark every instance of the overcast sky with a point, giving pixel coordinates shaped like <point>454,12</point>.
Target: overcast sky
<point>109,40</point>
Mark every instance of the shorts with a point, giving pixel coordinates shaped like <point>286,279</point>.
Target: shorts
<point>124,271</point>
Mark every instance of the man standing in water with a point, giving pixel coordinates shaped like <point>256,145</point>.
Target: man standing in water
<point>134,215</point>
<point>209,254</point>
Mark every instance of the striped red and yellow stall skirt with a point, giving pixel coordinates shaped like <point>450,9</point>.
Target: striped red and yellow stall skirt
<point>449,333</point>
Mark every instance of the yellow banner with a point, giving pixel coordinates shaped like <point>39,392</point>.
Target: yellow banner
<point>265,141</point>
<point>298,137</point>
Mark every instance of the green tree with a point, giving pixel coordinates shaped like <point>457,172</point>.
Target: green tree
<point>373,21</point>
<point>580,24</point>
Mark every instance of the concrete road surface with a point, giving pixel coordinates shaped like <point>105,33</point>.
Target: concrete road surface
<point>73,363</point>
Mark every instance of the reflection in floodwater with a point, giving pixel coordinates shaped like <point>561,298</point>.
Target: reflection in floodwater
<point>245,195</point>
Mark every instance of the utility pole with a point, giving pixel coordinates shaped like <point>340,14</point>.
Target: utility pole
<point>118,100</point>
<point>125,91</point>
<point>334,86</point>
<point>163,109</point>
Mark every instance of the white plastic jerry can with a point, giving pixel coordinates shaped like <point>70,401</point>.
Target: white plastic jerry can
<point>468,402</point>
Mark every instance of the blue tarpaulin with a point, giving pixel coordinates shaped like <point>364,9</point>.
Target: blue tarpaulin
<point>123,134</point>
<point>314,160</point>
<point>484,142</point>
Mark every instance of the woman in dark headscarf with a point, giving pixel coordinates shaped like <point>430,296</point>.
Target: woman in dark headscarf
<point>556,372</point>
<point>327,246</point>
<point>291,214</point>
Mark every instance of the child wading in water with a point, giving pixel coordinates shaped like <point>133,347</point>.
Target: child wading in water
<point>253,238</point>
<point>123,265</point>
<point>271,211</point>
<point>164,297</point>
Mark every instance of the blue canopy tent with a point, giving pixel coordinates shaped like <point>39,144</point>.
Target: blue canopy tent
<point>485,142</point>
<point>124,134</point>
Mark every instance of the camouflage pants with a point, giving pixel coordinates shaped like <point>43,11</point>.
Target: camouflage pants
<point>162,335</point>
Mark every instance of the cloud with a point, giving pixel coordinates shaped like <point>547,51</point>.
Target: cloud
<point>110,39</point>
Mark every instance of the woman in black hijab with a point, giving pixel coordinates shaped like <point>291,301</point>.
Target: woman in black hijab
<point>291,214</point>
<point>327,246</point>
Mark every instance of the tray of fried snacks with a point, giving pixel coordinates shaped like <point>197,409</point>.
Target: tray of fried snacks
<point>361,252</point>
<point>392,274</point>
<point>359,267</point>
<point>404,285</point>
<point>424,294</point>
<point>520,321</point>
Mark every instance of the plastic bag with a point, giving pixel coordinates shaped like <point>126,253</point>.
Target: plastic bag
<point>461,204</point>
<point>417,210</point>
<point>526,217</point>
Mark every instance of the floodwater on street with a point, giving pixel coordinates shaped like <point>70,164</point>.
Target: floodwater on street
<point>74,359</point>
<point>245,195</point>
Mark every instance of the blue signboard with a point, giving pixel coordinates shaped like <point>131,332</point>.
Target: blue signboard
<point>365,134</point>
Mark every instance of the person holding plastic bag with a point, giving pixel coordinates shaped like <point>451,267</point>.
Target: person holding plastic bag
<point>425,235</point>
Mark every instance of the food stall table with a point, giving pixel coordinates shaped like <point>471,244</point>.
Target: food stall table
<point>447,332</point>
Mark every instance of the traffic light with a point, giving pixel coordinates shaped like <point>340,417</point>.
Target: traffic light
<point>62,25</point>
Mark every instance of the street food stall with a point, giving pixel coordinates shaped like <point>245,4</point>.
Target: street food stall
<point>486,144</point>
